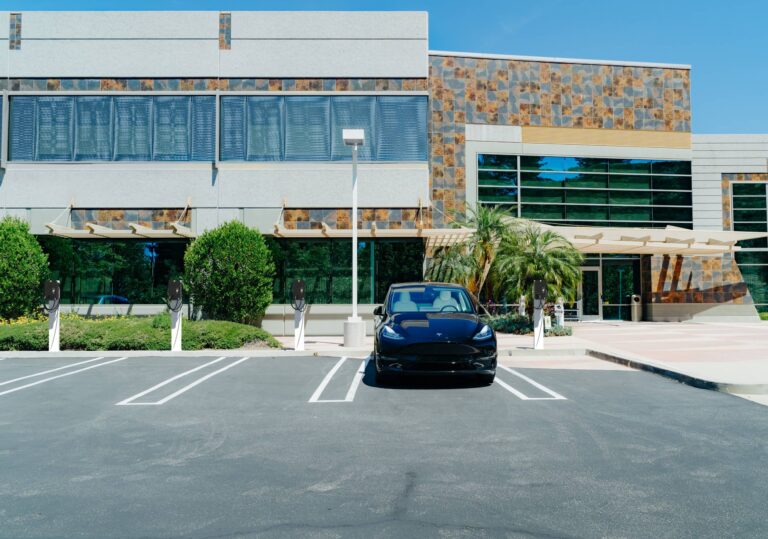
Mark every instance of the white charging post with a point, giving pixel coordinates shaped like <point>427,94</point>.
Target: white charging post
<point>539,298</point>
<point>299,305</point>
<point>175,304</point>
<point>52,293</point>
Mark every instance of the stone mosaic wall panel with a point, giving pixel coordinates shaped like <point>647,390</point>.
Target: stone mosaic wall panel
<point>544,94</point>
<point>14,32</point>
<point>725,183</point>
<point>389,218</point>
<point>119,219</point>
<point>693,279</point>
<point>225,31</point>
<point>213,84</point>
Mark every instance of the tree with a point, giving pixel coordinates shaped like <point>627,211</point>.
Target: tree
<point>23,267</point>
<point>470,262</point>
<point>229,272</point>
<point>533,252</point>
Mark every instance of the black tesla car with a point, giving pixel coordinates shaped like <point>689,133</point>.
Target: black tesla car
<point>432,328</point>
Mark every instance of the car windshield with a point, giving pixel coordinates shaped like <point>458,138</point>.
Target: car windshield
<point>430,299</point>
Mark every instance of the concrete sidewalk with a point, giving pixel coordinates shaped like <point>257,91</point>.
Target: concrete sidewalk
<point>724,357</point>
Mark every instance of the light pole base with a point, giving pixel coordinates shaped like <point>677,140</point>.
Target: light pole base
<point>354,332</point>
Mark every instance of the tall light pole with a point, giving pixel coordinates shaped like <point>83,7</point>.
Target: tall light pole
<point>354,327</point>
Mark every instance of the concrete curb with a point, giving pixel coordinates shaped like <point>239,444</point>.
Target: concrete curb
<point>664,370</point>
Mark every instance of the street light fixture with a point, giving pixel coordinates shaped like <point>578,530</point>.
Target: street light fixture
<point>354,327</point>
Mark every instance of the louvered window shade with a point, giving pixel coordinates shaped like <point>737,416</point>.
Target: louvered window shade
<point>265,128</point>
<point>21,131</point>
<point>203,128</point>
<point>93,128</point>
<point>353,112</point>
<point>401,128</point>
<point>232,128</point>
<point>308,129</point>
<point>171,132</point>
<point>54,128</point>
<point>133,128</point>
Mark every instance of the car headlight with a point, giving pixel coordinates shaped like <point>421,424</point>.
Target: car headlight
<point>390,333</point>
<point>485,333</point>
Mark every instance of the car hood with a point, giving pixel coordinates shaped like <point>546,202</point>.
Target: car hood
<point>436,326</point>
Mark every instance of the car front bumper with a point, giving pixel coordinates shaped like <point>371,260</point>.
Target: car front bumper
<point>438,360</point>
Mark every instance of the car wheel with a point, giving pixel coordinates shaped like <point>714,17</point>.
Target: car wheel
<point>486,379</point>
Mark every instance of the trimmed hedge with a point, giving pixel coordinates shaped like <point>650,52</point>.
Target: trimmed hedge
<point>23,267</point>
<point>522,325</point>
<point>132,333</point>
<point>229,271</point>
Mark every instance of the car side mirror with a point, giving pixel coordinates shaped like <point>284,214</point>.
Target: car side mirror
<point>379,310</point>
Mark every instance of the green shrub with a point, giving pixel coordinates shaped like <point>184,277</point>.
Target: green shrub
<point>132,333</point>
<point>23,267</point>
<point>229,272</point>
<point>522,325</point>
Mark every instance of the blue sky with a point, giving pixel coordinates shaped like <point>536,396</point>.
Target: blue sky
<point>723,41</point>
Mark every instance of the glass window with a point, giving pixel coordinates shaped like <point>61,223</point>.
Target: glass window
<point>539,196</point>
<point>672,182</point>
<point>586,196</point>
<point>671,198</point>
<point>672,214</point>
<point>750,215</point>
<point>636,198</point>
<point>498,194</point>
<point>563,164</point>
<point>430,299</point>
<point>750,227</point>
<point>587,180</point>
<point>492,178</point>
<point>749,202</point>
<point>630,182</point>
<point>543,179</point>
<point>758,243</point>
<point>671,167</point>
<point>756,278</point>
<point>171,135</point>
<point>133,128</point>
<point>581,213</point>
<point>631,213</point>
<point>232,145</point>
<point>751,257</point>
<point>55,128</point>
<point>748,189</point>
<point>629,165</point>
<point>542,212</point>
<point>506,162</point>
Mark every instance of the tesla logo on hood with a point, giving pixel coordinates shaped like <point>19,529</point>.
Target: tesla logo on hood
<point>439,334</point>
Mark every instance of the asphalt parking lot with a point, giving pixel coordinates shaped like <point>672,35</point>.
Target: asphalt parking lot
<point>204,447</point>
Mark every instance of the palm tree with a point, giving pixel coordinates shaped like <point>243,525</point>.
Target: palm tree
<point>470,262</point>
<point>533,252</point>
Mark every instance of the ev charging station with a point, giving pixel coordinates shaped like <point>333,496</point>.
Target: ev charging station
<point>175,304</point>
<point>52,295</point>
<point>299,305</point>
<point>539,298</point>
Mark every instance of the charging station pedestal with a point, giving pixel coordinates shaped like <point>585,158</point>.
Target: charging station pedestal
<point>539,298</point>
<point>175,304</point>
<point>299,304</point>
<point>52,294</point>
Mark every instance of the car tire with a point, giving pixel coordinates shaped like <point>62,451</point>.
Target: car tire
<point>486,379</point>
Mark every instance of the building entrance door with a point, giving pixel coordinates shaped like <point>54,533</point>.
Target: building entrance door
<point>590,292</point>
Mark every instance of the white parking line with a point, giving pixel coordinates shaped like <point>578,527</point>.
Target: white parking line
<point>184,389</point>
<point>48,371</point>
<point>168,381</point>
<point>61,376</point>
<point>356,381</point>
<point>319,391</point>
<point>555,396</point>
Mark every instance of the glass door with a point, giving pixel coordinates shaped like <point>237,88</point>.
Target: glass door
<point>620,279</point>
<point>590,307</point>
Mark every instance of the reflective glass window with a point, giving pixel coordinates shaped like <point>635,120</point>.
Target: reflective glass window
<point>748,189</point>
<point>671,198</point>
<point>672,214</point>
<point>630,182</point>
<point>498,194</point>
<point>542,211</point>
<point>496,178</point>
<point>672,182</point>
<point>543,195</point>
<point>507,162</point>
<point>631,213</point>
<point>635,198</point>
<point>587,212</point>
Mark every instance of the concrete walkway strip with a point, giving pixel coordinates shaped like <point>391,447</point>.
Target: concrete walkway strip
<point>70,373</point>
<point>35,375</point>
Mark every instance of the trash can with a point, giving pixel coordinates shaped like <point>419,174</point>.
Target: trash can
<point>637,308</point>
